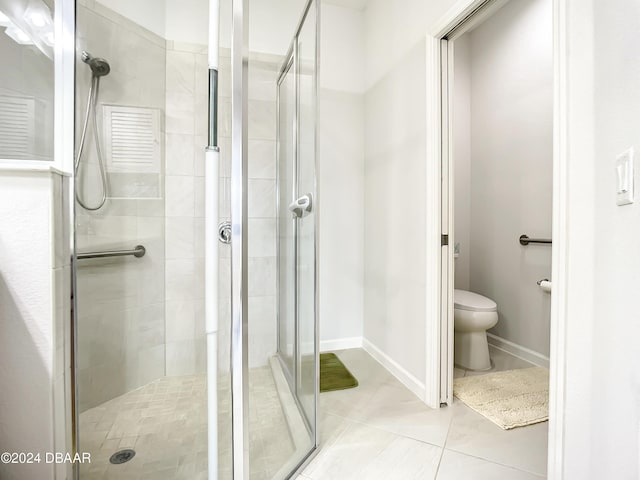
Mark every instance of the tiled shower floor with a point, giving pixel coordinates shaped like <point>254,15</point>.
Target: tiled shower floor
<point>165,422</point>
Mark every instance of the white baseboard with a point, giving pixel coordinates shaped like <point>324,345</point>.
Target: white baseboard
<point>340,344</point>
<point>409,381</point>
<point>518,350</point>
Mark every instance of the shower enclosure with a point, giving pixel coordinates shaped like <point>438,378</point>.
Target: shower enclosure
<point>163,388</point>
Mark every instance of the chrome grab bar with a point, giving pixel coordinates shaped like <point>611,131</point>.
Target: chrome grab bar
<point>137,252</point>
<point>525,240</point>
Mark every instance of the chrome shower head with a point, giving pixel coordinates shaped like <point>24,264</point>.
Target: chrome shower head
<point>99,66</point>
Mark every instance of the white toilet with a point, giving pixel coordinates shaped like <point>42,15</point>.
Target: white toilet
<point>473,316</point>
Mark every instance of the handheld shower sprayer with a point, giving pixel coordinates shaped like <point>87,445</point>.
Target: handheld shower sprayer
<point>99,68</point>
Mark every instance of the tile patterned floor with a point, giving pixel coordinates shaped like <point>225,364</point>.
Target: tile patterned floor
<point>380,430</point>
<point>165,422</point>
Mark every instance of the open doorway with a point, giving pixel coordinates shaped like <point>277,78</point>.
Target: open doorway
<point>497,128</point>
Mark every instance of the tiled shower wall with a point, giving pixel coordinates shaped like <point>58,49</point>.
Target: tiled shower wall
<point>263,72</point>
<point>140,319</point>
<point>187,84</point>
<point>186,111</point>
<point>121,301</point>
<point>186,123</point>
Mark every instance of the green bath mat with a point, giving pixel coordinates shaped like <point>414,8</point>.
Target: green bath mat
<point>334,375</point>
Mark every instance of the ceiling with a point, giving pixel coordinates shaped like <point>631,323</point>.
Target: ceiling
<point>355,4</point>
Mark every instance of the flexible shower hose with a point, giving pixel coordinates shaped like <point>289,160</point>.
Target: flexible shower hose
<point>92,101</point>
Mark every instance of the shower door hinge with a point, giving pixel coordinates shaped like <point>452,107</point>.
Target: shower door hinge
<point>445,240</point>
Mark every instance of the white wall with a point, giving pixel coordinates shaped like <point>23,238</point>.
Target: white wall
<point>601,362</point>
<point>341,177</point>
<point>395,223</point>
<point>187,21</point>
<point>342,49</point>
<point>395,183</point>
<point>34,329</point>
<point>394,28</point>
<point>511,169</point>
<point>614,409</point>
<point>462,160</point>
<point>395,178</point>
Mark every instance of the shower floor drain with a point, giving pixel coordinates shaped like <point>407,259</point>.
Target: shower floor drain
<point>123,456</point>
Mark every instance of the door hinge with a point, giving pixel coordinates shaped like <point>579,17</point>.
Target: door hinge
<point>445,240</point>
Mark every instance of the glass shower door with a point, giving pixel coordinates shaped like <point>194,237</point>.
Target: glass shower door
<point>297,217</point>
<point>307,219</point>
<point>274,359</point>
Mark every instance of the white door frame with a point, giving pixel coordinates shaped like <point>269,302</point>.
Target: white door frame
<point>439,314</point>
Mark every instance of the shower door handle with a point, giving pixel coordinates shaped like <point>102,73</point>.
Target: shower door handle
<point>302,206</point>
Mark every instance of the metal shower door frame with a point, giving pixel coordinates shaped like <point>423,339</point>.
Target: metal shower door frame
<point>292,62</point>
<point>239,240</point>
<point>290,65</point>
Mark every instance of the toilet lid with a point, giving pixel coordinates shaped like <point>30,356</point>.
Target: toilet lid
<point>464,300</point>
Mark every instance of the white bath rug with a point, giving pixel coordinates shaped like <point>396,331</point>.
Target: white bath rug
<point>510,399</point>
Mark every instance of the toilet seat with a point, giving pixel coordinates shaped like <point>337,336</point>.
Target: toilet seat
<point>464,300</point>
